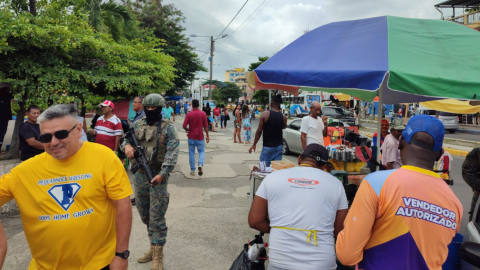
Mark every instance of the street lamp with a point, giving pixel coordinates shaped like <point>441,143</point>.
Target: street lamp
<point>212,48</point>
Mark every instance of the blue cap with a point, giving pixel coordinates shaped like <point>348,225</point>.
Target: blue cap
<point>428,124</point>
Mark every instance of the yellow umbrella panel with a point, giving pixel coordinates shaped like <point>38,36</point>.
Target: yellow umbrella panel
<point>451,105</point>
<point>343,97</point>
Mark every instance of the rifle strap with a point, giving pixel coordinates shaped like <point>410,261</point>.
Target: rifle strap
<point>155,155</point>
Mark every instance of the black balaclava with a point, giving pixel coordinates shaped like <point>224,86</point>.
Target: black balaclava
<point>153,116</point>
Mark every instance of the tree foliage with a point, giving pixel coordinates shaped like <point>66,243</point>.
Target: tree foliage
<point>260,96</point>
<point>108,16</point>
<point>255,65</point>
<point>56,56</point>
<point>222,94</point>
<point>166,23</point>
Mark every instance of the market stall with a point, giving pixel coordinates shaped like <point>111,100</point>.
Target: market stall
<point>400,60</point>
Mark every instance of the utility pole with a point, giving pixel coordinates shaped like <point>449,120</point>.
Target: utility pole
<point>212,47</point>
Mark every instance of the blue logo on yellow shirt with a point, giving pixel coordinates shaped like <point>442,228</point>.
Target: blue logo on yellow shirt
<point>64,194</point>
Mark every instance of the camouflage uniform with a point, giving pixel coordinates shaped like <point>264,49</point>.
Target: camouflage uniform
<point>470,173</point>
<point>152,201</point>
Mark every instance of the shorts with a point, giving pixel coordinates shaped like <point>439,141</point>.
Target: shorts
<point>271,153</point>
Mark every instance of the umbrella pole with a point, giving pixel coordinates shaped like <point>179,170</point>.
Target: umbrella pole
<point>269,99</point>
<point>379,122</point>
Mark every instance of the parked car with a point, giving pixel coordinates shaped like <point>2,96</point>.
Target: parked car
<point>472,234</point>
<point>449,120</point>
<point>339,113</point>
<point>292,142</point>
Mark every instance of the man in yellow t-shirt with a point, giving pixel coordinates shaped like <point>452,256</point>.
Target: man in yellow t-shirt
<point>74,198</point>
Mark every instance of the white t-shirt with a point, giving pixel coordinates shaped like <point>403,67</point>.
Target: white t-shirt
<point>302,198</point>
<point>314,129</point>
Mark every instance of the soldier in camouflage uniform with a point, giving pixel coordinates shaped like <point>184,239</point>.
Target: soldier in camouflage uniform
<point>470,173</point>
<point>151,194</point>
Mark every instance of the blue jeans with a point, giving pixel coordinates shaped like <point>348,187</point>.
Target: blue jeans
<point>271,153</point>
<point>222,119</point>
<point>191,152</point>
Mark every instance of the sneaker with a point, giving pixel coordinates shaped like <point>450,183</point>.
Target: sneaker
<point>200,170</point>
<point>192,173</point>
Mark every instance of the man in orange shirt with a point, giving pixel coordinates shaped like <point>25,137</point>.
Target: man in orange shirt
<point>403,218</point>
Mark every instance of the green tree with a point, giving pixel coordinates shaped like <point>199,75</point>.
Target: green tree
<point>166,22</point>
<point>260,96</point>
<point>108,16</point>
<point>230,90</point>
<point>55,57</point>
<point>255,65</point>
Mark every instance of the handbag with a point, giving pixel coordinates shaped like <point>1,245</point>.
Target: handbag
<point>227,117</point>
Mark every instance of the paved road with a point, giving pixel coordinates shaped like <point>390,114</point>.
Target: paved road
<point>458,135</point>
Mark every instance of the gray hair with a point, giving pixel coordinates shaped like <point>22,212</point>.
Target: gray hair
<point>59,111</point>
<point>140,97</point>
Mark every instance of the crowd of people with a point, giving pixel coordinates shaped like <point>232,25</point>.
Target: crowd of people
<point>404,215</point>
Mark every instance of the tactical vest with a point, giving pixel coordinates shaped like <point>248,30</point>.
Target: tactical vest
<point>147,137</point>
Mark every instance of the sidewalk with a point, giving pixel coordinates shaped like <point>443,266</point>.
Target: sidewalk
<point>471,129</point>
<point>459,149</point>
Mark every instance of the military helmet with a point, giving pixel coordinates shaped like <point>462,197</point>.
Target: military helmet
<point>153,100</point>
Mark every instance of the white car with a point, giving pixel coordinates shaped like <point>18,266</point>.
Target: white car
<point>449,120</point>
<point>472,235</point>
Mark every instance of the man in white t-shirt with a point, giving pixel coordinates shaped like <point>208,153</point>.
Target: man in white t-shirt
<point>303,209</point>
<point>313,128</point>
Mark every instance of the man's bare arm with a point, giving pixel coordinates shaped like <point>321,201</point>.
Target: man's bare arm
<point>34,143</point>
<point>117,142</point>
<point>258,216</point>
<point>258,134</point>
<point>303,137</point>
<point>123,222</point>
<point>339,219</point>
<point>3,246</point>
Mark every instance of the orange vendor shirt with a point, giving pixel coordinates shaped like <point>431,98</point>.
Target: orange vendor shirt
<point>400,219</point>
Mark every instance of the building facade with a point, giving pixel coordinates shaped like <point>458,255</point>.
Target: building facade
<point>237,76</point>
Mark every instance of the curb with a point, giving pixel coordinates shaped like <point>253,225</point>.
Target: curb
<point>452,151</point>
<point>468,131</point>
<point>456,152</point>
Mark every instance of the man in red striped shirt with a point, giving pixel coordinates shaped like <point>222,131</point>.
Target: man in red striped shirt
<point>108,129</point>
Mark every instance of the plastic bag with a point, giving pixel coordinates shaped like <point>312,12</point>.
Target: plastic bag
<point>243,263</point>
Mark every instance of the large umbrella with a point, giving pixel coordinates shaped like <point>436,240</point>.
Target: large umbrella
<point>398,59</point>
<point>406,60</point>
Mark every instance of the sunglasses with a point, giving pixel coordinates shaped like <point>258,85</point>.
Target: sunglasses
<point>60,135</point>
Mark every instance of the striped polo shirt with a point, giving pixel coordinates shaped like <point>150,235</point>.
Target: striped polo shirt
<point>107,130</point>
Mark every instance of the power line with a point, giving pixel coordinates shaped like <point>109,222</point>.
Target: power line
<point>247,21</point>
<point>201,51</point>
<point>251,14</point>
<point>232,20</point>
<point>236,50</point>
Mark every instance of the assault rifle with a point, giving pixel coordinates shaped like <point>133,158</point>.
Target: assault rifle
<point>140,155</point>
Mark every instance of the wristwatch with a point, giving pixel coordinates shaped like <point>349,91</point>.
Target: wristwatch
<point>123,255</point>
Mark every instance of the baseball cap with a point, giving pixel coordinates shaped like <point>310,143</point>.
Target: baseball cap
<point>317,152</point>
<point>397,125</point>
<point>107,103</point>
<point>428,124</point>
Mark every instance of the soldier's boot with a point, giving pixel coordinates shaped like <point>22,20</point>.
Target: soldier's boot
<point>147,256</point>
<point>157,260</point>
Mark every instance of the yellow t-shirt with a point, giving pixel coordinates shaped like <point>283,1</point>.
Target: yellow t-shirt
<point>66,206</point>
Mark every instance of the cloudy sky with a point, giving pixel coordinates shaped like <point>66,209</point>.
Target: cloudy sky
<point>273,24</point>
